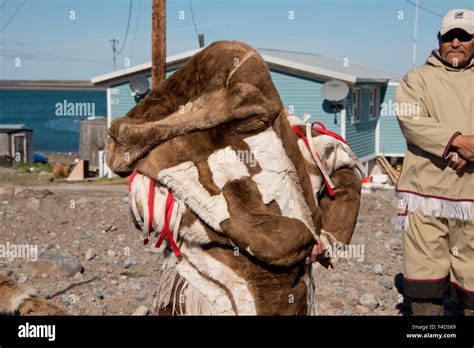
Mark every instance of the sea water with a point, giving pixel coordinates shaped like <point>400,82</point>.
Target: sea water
<point>53,115</point>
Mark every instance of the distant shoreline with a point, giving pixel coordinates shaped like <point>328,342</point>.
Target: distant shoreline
<point>5,88</point>
<point>52,85</point>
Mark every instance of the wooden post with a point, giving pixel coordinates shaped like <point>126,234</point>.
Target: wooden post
<point>158,42</point>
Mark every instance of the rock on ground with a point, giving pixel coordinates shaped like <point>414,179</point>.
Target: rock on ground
<point>55,265</point>
<point>142,310</point>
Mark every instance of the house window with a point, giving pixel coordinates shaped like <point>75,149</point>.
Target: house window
<point>372,103</point>
<point>355,105</point>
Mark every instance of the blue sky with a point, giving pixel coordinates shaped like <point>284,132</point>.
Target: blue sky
<point>369,32</point>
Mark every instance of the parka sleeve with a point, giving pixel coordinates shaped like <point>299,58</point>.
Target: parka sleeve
<point>339,212</point>
<point>417,124</point>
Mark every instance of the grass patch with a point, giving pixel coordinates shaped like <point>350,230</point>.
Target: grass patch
<point>33,167</point>
<point>25,173</point>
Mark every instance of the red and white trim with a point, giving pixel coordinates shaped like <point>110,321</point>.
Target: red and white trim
<point>427,205</point>
<point>163,218</point>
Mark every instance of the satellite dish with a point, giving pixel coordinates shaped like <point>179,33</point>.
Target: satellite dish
<point>335,90</point>
<point>139,85</point>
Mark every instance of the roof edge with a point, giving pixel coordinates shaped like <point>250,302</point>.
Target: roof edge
<point>102,79</point>
<point>283,64</point>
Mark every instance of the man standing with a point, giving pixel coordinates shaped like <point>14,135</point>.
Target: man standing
<point>436,187</point>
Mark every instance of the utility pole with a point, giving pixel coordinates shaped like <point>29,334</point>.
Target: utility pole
<point>158,42</point>
<point>114,43</point>
<point>414,35</point>
<point>201,40</point>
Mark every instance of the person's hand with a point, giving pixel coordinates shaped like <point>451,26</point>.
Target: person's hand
<point>455,161</point>
<point>317,253</point>
<point>464,145</point>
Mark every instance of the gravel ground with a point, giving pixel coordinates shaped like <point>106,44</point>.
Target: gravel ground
<point>367,281</point>
<point>92,260</point>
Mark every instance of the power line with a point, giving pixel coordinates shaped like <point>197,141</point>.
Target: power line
<point>425,9</point>
<point>136,28</point>
<point>14,15</point>
<point>192,15</point>
<point>128,27</point>
<point>200,36</point>
<point>4,3</point>
<point>415,32</point>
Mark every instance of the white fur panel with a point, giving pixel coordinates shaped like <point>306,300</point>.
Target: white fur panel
<point>275,160</point>
<point>183,180</point>
<point>224,275</point>
<point>278,179</point>
<point>215,294</point>
<point>225,166</point>
<point>195,233</point>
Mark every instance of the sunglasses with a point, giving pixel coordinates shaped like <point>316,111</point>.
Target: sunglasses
<point>461,36</point>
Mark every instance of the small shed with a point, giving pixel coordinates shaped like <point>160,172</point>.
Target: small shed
<point>16,144</point>
<point>93,135</point>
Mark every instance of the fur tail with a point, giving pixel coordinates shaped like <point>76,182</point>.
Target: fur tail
<point>18,299</point>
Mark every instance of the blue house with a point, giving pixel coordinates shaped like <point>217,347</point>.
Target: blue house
<point>366,121</point>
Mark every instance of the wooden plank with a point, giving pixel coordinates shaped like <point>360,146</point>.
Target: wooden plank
<point>392,174</point>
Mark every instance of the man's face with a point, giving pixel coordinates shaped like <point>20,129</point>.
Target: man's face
<point>456,47</point>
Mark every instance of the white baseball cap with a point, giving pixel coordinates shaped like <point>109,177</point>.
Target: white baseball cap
<point>458,19</point>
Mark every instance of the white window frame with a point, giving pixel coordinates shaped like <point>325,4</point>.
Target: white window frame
<point>356,106</point>
<point>375,104</point>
